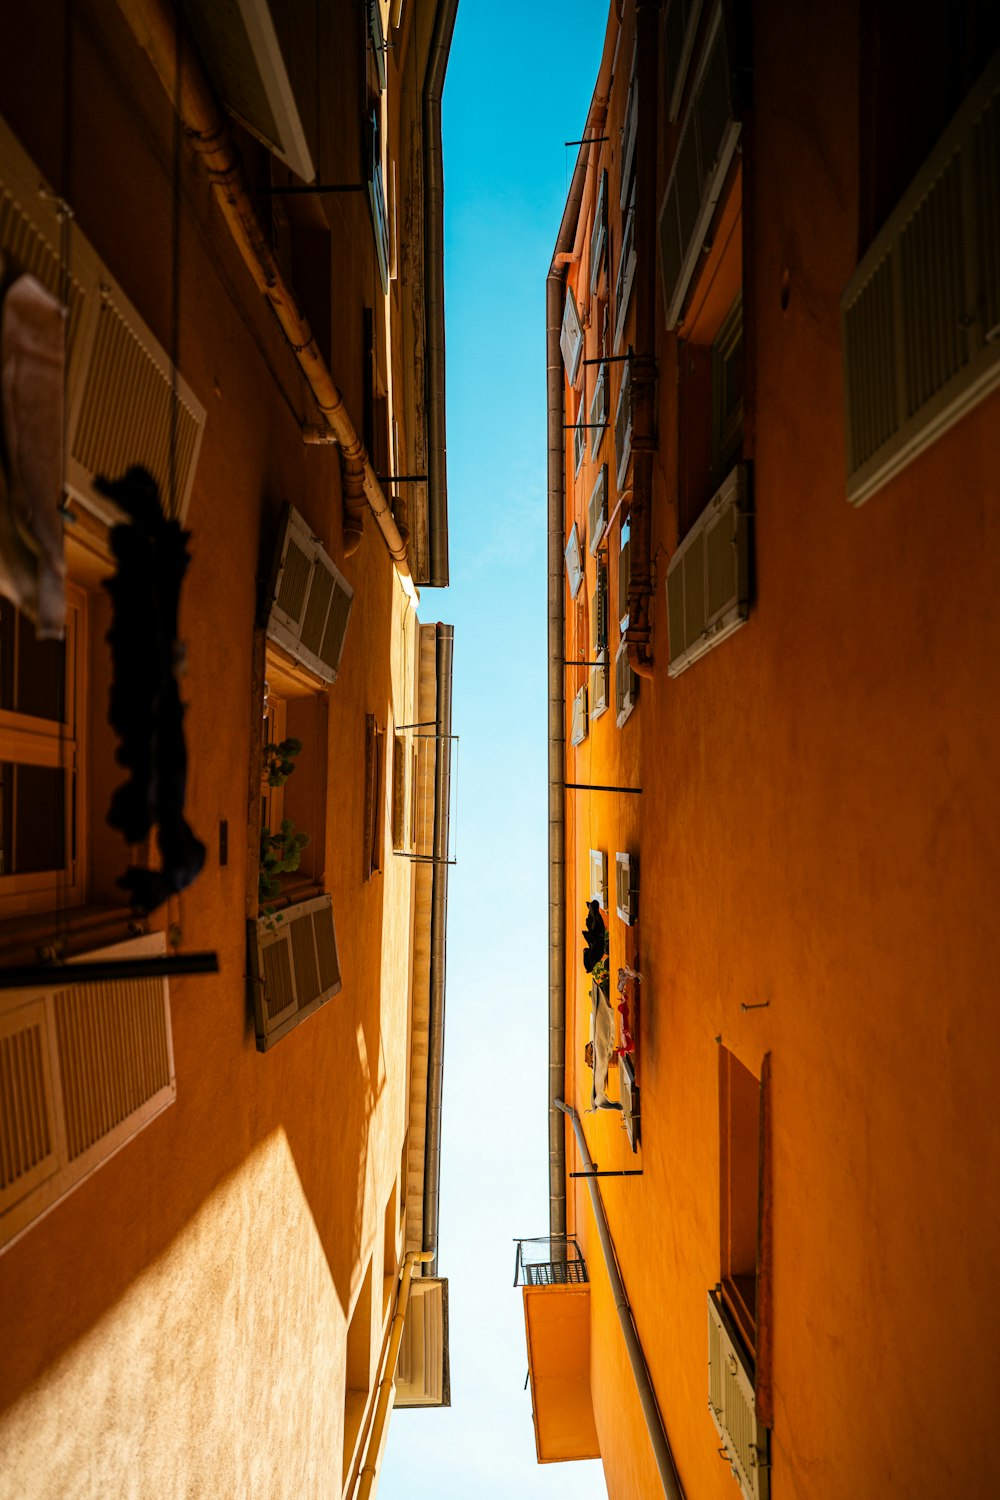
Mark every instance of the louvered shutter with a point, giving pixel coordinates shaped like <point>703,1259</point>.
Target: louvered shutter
<point>579,438</point>
<point>626,686</point>
<point>82,1069</point>
<point>627,887</point>
<point>599,624</point>
<point>599,877</point>
<point>599,234</point>
<point>597,509</point>
<point>732,1404</point>
<point>626,272</point>
<point>708,140</point>
<point>578,728</point>
<point>679,30</point>
<point>119,392</point>
<point>309,599</point>
<point>571,337</point>
<point>920,317</point>
<point>708,581</point>
<point>630,1101</point>
<point>574,562</point>
<point>376,199</point>
<point>294,967</point>
<point>629,132</point>
<point>598,409</point>
<point>599,687</point>
<point>623,427</point>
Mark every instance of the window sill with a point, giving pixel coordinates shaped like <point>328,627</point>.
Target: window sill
<point>78,929</point>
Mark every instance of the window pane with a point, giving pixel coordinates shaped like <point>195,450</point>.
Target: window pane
<point>32,672</point>
<point>32,819</point>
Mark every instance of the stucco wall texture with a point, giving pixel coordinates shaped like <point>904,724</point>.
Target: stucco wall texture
<point>177,1325</point>
<point>817,831</point>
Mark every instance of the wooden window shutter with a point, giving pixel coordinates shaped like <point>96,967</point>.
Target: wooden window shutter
<point>579,438</point>
<point>626,272</point>
<point>574,562</point>
<point>309,599</point>
<point>679,29</point>
<point>627,887</point>
<point>599,687</point>
<point>571,337</point>
<point>599,877</point>
<point>732,1404</point>
<point>708,580</point>
<point>119,380</point>
<point>629,132</point>
<point>597,509</point>
<point>376,199</point>
<point>623,427</point>
<point>82,1070</point>
<point>599,234</point>
<point>626,686</point>
<point>294,967</point>
<point>598,409</point>
<point>920,317</point>
<point>708,141</point>
<point>578,729</point>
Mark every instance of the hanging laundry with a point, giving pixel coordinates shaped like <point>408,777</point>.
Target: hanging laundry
<point>32,395</point>
<point>145,705</point>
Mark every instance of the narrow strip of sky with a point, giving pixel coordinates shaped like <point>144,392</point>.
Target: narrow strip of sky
<point>519,84</point>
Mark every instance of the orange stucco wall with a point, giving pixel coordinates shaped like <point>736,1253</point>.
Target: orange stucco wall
<point>817,830</point>
<point>154,1287</point>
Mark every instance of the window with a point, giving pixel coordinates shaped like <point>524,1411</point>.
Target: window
<point>574,562</point>
<point>623,427</point>
<point>599,639</point>
<point>679,29</point>
<point>626,272</point>
<point>705,150</point>
<point>358,1381</point>
<point>708,580</point>
<point>727,392</point>
<point>626,685</point>
<point>599,235</point>
<point>624,573</point>
<point>629,130</point>
<point>578,726</point>
<point>571,337</point>
<point>920,317</point>
<point>374,835</point>
<point>376,196</point>
<point>598,409</point>
<point>400,759</point>
<point>309,599</point>
<point>597,509</point>
<point>579,437</point>
<point>599,877</point>
<point>627,887</point>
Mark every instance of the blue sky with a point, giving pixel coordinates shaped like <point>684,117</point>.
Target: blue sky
<point>519,84</point>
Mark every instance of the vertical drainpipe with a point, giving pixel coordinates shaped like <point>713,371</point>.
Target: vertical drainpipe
<point>439,934</point>
<point>555,292</point>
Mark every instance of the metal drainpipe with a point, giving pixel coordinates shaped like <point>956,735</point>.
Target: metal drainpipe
<point>555,291</point>
<point>647,1397</point>
<point>439,925</point>
<point>437,473</point>
<point>370,1470</point>
<point>154,26</point>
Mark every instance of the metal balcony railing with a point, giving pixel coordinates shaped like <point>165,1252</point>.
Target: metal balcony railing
<point>549,1260</point>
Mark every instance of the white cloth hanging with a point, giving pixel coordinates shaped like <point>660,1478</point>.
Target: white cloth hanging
<point>32,397</point>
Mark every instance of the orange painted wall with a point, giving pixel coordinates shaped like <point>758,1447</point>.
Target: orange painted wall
<point>817,830</point>
<point>333,1091</point>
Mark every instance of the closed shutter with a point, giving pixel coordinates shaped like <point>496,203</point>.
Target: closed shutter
<point>599,877</point>
<point>626,686</point>
<point>623,427</point>
<point>578,727</point>
<point>82,1069</point>
<point>294,967</point>
<point>597,510</point>
<point>574,563</point>
<point>626,272</point>
<point>732,1406</point>
<point>599,608</point>
<point>571,337</point>
<point>119,396</point>
<point>706,147</point>
<point>920,317</point>
<point>599,234</point>
<point>627,887</point>
<point>309,599</point>
<point>708,581</point>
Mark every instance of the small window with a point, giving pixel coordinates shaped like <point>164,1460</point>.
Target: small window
<point>739,1168</point>
<point>578,727</point>
<point>400,761</point>
<point>623,427</point>
<point>598,409</point>
<point>597,509</point>
<point>374,835</point>
<point>626,686</point>
<point>376,197</point>
<point>627,887</point>
<point>579,437</point>
<point>629,132</point>
<point>599,235</point>
<point>599,877</point>
<point>599,607</point>
<point>571,337</point>
<point>624,574</point>
<point>626,272</point>
<point>574,562</point>
<point>727,392</point>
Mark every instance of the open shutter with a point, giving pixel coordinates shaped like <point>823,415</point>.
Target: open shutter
<point>626,686</point>
<point>598,409</point>
<point>708,581</point>
<point>571,337</point>
<point>629,131</point>
<point>627,887</point>
<point>119,392</point>
<point>920,317</point>
<point>82,1069</point>
<point>578,728</point>
<point>599,234</point>
<point>624,575</point>
<point>376,199</point>
<point>574,562</point>
<point>708,140</point>
<point>630,1101</point>
<point>599,608</point>
<point>599,877</point>
<point>599,687</point>
<point>579,437</point>
<point>623,427</point>
<point>294,967</point>
<point>679,30</point>
<point>626,272</point>
<point>597,509</point>
<point>309,602</point>
<point>733,1408</point>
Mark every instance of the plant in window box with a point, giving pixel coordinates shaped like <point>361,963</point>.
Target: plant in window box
<point>595,953</point>
<point>279,761</point>
<point>280,854</point>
